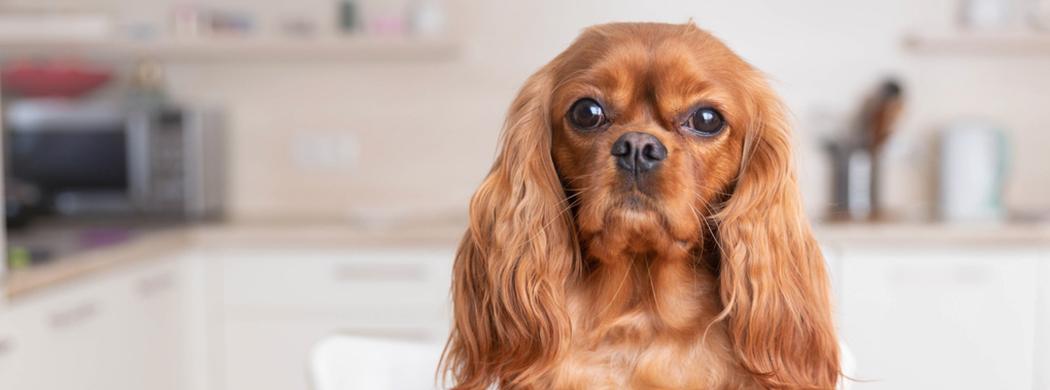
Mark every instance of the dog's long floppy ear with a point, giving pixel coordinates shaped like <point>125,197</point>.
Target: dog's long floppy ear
<point>773,280</point>
<point>509,277</point>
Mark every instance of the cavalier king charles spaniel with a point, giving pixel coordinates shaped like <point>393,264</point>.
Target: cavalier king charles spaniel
<point>641,229</point>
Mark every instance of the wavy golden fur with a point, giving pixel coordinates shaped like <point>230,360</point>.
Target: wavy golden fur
<point>703,276</point>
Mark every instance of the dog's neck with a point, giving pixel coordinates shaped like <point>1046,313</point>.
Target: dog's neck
<point>668,289</point>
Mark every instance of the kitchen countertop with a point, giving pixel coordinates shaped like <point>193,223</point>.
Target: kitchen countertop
<point>172,240</point>
<point>160,242</point>
<point>934,233</point>
<point>73,265</point>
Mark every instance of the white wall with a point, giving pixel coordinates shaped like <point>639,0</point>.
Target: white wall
<point>427,131</point>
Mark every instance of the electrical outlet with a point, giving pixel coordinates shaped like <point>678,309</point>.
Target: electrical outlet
<point>327,151</point>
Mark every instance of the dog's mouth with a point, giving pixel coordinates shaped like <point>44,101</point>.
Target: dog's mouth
<point>634,221</point>
<point>626,211</point>
<point>635,208</point>
<point>638,201</point>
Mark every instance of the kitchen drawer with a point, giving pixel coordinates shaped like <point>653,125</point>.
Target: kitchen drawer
<point>334,279</point>
<point>272,354</point>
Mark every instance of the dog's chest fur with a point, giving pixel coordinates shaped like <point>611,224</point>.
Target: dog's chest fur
<point>649,335</point>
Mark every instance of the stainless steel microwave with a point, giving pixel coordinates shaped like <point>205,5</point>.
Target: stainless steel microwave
<point>95,159</point>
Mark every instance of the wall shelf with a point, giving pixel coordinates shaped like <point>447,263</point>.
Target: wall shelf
<point>980,43</point>
<point>242,49</point>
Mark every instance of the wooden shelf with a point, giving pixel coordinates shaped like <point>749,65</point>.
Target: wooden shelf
<point>980,43</point>
<point>243,49</point>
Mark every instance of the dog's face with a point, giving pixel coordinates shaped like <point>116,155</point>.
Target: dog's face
<point>647,135</point>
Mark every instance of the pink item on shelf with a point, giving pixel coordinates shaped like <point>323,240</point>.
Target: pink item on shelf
<point>387,25</point>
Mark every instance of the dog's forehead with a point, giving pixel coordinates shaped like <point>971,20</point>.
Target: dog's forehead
<point>612,61</point>
<point>663,72</point>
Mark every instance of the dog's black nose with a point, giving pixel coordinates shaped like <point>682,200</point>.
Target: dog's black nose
<point>638,153</point>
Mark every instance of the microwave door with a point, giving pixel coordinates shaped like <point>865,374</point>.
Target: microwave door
<point>75,157</point>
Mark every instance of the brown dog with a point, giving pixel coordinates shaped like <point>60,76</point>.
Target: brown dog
<point>641,228</point>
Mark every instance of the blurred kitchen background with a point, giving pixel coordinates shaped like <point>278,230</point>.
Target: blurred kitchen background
<point>197,193</point>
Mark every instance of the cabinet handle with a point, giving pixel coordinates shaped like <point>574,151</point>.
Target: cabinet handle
<point>155,284</point>
<point>957,275</point>
<point>74,315</point>
<point>379,273</point>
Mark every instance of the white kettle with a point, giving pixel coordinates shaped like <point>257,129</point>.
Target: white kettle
<point>973,164</point>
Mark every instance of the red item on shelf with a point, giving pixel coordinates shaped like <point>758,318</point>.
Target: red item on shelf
<point>55,79</point>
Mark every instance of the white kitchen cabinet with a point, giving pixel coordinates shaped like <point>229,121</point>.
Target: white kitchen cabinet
<point>198,354</point>
<point>10,351</point>
<point>153,334</point>
<point>120,331</point>
<point>226,317</point>
<point>940,317</point>
<point>1042,353</point>
<point>276,304</point>
<point>65,337</point>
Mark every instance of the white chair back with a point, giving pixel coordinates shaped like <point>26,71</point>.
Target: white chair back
<point>344,362</point>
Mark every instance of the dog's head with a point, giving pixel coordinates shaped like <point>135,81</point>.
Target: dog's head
<point>648,125</point>
<point>641,138</point>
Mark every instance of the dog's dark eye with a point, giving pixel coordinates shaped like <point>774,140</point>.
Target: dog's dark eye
<point>587,114</point>
<point>705,121</point>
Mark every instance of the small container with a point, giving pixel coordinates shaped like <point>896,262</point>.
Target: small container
<point>853,182</point>
<point>986,14</point>
<point>973,164</point>
<point>387,20</point>
<point>428,18</point>
<point>349,16</point>
<point>188,21</point>
<point>228,22</point>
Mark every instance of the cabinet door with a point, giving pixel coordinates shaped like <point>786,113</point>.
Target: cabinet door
<point>152,333</point>
<point>9,350</point>
<point>940,317</point>
<point>1042,354</point>
<point>66,341</point>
